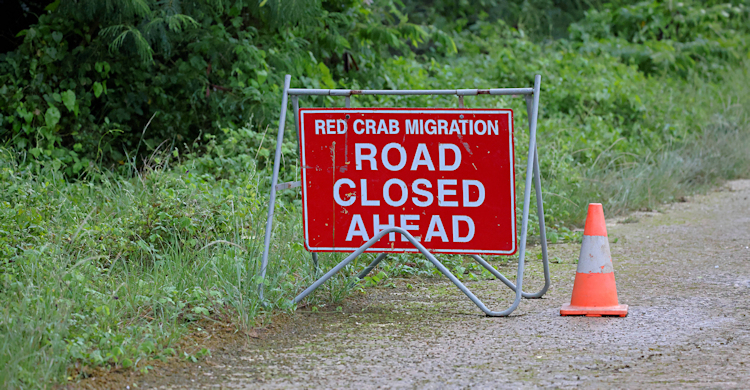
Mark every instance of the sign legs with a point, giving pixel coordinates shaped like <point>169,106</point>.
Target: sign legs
<point>532,174</point>
<point>539,209</point>
<point>274,181</point>
<point>372,265</point>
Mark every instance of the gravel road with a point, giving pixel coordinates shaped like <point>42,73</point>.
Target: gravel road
<point>685,272</point>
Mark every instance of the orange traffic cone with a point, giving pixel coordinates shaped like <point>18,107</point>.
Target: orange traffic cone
<point>594,290</point>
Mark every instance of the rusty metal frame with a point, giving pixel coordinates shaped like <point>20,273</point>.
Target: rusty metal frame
<point>532,175</point>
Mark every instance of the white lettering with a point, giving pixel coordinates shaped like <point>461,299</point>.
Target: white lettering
<point>436,229</point>
<point>422,157</point>
<point>320,126</point>
<point>443,192</point>
<point>330,125</point>
<point>476,127</point>
<point>405,224</point>
<point>337,195</point>
<point>428,195</point>
<point>454,128</point>
<point>402,157</point>
<point>382,128</point>
<point>441,157</point>
<point>359,157</point>
<point>430,129</point>
<point>357,228</point>
<point>341,126</point>
<point>490,128</point>
<point>413,127</point>
<point>358,122</point>
<point>370,125</point>
<point>393,126</point>
<point>456,236</point>
<point>442,126</point>
<point>387,192</point>
<point>480,189</point>
<point>463,125</point>
<point>377,227</point>
<point>365,201</point>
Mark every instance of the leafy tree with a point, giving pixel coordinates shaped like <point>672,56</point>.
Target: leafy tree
<point>96,80</point>
<point>104,82</point>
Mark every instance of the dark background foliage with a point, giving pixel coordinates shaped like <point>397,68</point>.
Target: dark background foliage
<point>17,15</point>
<point>135,137</point>
<point>103,83</point>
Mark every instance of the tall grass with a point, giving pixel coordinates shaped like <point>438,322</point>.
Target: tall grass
<point>109,270</point>
<point>718,115</point>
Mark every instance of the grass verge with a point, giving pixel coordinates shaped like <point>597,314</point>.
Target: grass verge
<point>717,117</point>
<point>109,271</point>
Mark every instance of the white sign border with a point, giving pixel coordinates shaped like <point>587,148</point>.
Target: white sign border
<point>303,111</point>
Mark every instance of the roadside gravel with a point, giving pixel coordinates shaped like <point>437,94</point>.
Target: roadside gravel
<point>685,272</point>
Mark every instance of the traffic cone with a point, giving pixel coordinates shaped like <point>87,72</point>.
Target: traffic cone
<point>594,290</point>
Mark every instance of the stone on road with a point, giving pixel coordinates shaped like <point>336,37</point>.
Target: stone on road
<point>685,272</point>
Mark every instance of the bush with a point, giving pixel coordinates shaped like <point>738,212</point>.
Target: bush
<point>643,104</point>
<point>95,81</point>
<point>675,37</point>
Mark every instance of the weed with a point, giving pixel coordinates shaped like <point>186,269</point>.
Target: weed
<point>111,270</point>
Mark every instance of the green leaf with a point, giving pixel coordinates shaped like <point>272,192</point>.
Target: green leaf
<point>325,76</point>
<point>102,67</point>
<point>52,116</point>
<point>552,236</point>
<point>203,352</point>
<point>262,75</point>
<point>98,89</point>
<point>201,310</point>
<point>69,99</point>
<point>147,347</point>
<point>53,6</point>
<point>96,357</point>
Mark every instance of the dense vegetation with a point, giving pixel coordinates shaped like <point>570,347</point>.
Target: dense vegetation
<point>135,143</point>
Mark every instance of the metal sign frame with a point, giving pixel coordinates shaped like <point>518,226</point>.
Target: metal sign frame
<point>532,174</point>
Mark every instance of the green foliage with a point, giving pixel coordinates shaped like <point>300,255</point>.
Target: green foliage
<point>645,102</point>
<point>537,18</point>
<point>677,37</point>
<point>110,271</point>
<point>715,116</point>
<point>107,83</point>
<point>142,72</point>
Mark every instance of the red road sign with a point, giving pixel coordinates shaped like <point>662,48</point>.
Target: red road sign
<point>444,175</point>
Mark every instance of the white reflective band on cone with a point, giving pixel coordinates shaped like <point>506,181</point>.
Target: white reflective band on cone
<point>595,256</point>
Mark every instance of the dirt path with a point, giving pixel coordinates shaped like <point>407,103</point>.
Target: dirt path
<point>685,274</point>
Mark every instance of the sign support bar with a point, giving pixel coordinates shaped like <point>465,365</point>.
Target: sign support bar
<point>274,181</point>
<point>532,175</point>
